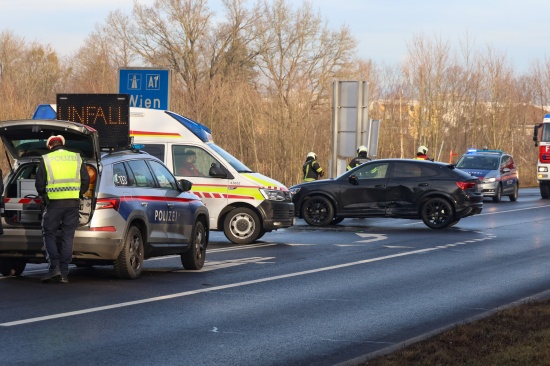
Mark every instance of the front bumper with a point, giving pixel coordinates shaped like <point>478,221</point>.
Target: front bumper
<point>488,189</point>
<point>276,214</point>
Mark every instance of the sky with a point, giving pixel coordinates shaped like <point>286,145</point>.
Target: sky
<point>384,29</point>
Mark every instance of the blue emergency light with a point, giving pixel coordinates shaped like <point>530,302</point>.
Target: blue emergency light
<point>44,111</point>
<point>484,151</point>
<point>137,146</point>
<point>198,129</point>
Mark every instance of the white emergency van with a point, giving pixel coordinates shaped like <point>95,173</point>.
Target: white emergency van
<point>242,203</point>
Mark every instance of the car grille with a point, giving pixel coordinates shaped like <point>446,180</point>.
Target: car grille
<point>282,214</point>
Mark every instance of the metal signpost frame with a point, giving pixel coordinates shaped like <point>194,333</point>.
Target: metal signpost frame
<point>351,126</point>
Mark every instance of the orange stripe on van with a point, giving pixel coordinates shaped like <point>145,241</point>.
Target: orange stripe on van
<point>155,134</point>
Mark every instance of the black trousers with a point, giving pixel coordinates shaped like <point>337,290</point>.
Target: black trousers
<point>53,218</point>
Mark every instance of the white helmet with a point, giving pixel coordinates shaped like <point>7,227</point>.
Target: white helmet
<point>362,148</point>
<point>422,149</point>
<point>311,154</point>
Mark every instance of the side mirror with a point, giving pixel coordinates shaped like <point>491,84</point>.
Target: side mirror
<point>353,180</point>
<point>506,170</point>
<point>216,171</point>
<point>185,185</point>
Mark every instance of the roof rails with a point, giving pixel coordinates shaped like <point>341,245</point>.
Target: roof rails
<point>484,151</point>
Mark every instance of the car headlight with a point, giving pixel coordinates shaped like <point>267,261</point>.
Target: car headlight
<point>275,195</point>
<point>294,191</point>
<point>543,169</point>
<point>490,180</point>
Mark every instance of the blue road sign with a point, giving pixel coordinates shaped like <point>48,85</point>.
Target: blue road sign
<point>147,87</point>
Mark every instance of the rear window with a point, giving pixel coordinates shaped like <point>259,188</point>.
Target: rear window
<point>157,150</point>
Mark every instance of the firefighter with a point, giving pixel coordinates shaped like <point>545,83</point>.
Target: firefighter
<point>421,153</point>
<point>311,169</point>
<point>61,180</point>
<point>361,158</point>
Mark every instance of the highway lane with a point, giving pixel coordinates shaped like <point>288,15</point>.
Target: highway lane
<point>301,296</point>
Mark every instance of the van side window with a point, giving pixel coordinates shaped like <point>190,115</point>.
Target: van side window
<point>164,177</point>
<point>191,161</point>
<point>121,176</point>
<point>142,174</point>
<point>157,150</point>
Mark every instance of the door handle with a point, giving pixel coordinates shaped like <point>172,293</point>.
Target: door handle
<point>423,184</point>
<point>144,204</point>
<point>380,186</point>
<point>170,205</point>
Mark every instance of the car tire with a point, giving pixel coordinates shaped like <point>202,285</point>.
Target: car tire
<point>454,223</point>
<point>437,213</point>
<point>12,267</point>
<point>262,233</point>
<point>129,263</point>
<point>318,211</point>
<point>242,226</point>
<point>498,194</point>
<point>336,220</point>
<point>194,258</point>
<point>514,196</point>
<point>544,190</point>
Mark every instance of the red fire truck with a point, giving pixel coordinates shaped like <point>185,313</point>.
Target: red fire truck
<point>541,136</point>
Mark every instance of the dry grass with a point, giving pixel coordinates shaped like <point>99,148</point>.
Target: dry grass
<point>515,336</point>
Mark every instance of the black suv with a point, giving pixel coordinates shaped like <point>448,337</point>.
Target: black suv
<point>437,193</point>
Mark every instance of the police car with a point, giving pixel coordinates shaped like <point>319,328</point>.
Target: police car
<point>135,208</point>
<point>496,171</point>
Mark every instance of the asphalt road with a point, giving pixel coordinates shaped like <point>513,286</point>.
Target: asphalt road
<point>301,296</point>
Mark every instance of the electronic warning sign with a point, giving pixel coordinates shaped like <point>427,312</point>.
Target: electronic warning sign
<point>109,114</point>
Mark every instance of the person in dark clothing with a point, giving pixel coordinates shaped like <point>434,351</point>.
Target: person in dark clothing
<point>311,168</point>
<point>361,158</point>
<point>1,198</point>
<point>188,168</point>
<point>61,180</point>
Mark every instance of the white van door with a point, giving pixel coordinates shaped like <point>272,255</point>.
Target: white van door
<point>193,163</point>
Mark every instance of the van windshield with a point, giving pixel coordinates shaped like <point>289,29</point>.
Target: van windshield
<point>236,164</point>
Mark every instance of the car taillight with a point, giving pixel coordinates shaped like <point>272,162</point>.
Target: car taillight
<point>103,203</point>
<point>465,185</point>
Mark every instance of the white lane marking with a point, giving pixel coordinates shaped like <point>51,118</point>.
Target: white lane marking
<point>514,210</point>
<point>373,237</point>
<point>397,247</point>
<point>249,246</point>
<point>491,213</point>
<point>216,288</point>
<point>213,265</point>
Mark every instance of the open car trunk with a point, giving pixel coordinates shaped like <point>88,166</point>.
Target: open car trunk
<point>25,142</point>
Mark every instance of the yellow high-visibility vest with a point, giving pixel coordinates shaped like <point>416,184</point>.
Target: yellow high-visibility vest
<point>62,174</point>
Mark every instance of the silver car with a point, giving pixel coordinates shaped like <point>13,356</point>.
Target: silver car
<point>135,208</point>
<point>496,170</point>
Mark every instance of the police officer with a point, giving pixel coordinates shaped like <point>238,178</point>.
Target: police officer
<point>421,153</point>
<point>361,158</point>
<point>61,180</point>
<point>311,169</point>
